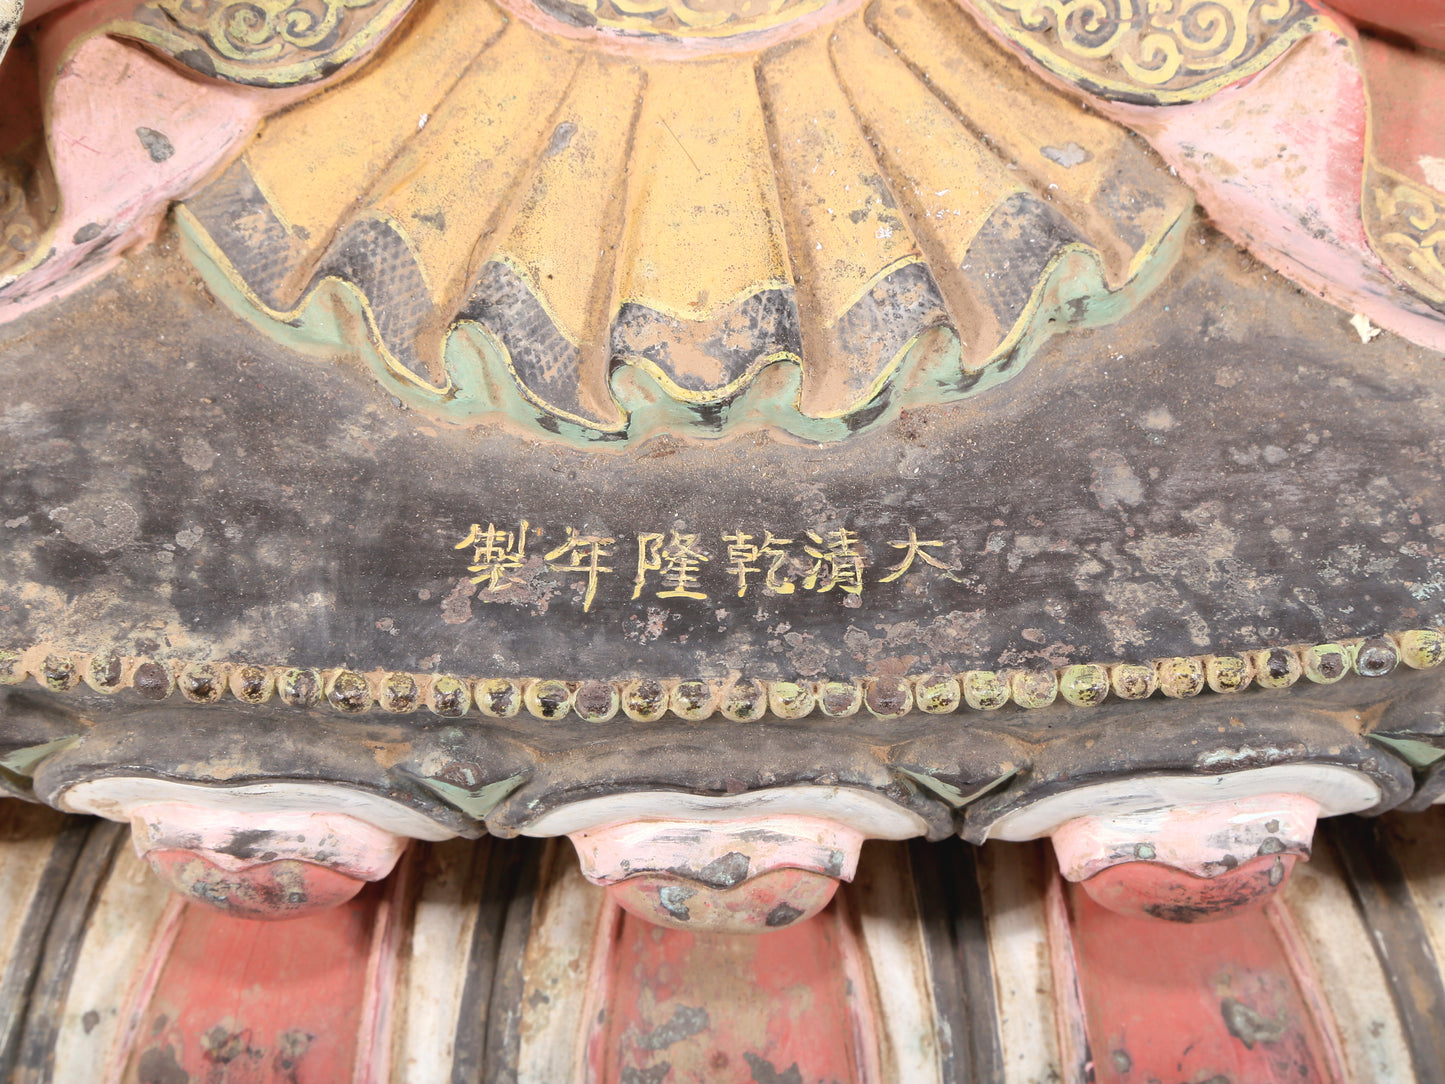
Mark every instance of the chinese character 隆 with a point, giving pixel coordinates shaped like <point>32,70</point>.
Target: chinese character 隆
<point>677,563</point>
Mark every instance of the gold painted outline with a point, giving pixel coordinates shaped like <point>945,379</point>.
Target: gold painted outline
<point>712,312</point>
<point>916,256</point>
<point>202,237</point>
<point>524,389</point>
<point>885,376</point>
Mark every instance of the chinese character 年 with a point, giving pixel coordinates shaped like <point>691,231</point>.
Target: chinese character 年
<point>585,553</point>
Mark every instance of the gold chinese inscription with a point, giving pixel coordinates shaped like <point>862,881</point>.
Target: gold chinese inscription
<point>745,558</point>
<point>836,562</point>
<point>585,553</point>
<point>495,554</point>
<point>679,564</point>
<point>913,549</point>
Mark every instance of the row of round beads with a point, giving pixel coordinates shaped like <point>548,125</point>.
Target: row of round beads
<point>1083,685</point>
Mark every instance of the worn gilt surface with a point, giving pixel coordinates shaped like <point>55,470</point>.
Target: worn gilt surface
<point>636,239</point>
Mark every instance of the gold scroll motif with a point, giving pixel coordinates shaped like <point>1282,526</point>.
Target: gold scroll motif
<point>1405,221</point>
<point>1153,52</point>
<point>269,43</point>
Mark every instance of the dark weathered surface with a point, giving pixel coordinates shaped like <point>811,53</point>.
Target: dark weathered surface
<point>485,1048</point>
<point>1228,468</point>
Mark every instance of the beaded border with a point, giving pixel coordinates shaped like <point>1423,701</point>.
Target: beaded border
<point>1084,685</point>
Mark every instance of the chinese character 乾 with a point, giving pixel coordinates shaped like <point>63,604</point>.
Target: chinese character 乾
<point>913,549</point>
<point>678,562</point>
<point>743,558</point>
<point>839,565</point>
<point>585,553</point>
<point>495,554</point>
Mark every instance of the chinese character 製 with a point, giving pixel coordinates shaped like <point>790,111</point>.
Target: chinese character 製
<point>495,554</point>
